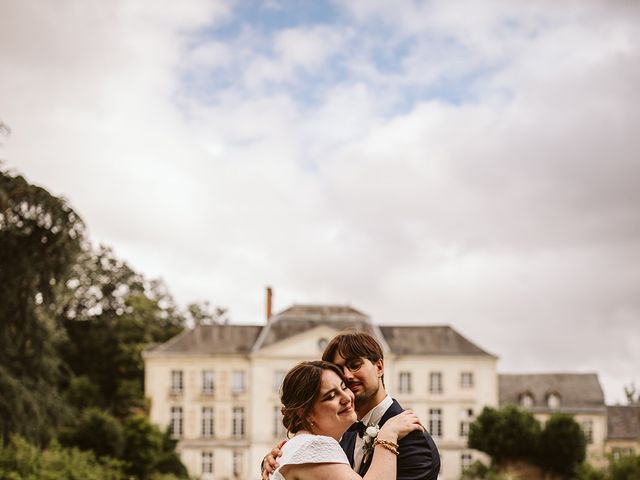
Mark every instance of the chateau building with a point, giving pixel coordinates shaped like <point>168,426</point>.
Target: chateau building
<point>217,386</point>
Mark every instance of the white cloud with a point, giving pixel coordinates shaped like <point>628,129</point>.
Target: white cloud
<point>510,214</point>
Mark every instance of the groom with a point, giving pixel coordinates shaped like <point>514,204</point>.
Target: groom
<point>360,357</point>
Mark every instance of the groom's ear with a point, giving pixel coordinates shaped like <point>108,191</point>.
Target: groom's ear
<point>380,367</point>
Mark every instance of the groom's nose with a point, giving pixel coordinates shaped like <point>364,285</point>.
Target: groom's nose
<point>345,398</point>
<point>348,376</point>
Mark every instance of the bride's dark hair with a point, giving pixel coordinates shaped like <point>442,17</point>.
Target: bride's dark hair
<point>300,389</point>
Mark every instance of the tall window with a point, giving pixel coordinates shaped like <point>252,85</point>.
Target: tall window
<point>278,427</point>
<point>278,377</point>
<point>587,428</point>
<point>237,463</point>
<point>466,379</point>
<point>208,382</point>
<point>404,384</point>
<point>207,426</point>
<point>238,381</point>
<point>237,422</point>
<point>435,422</point>
<point>207,462</point>
<point>175,424</point>
<point>465,460</point>
<point>176,381</point>
<point>466,417</point>
<point>435,382</point>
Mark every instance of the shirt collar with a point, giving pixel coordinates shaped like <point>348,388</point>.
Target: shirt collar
<point>373,416</point>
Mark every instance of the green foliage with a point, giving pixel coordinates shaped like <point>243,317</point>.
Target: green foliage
<point>505,435</point>
<point>20,460</point>
<point>82,393</point>
<point>148,450</point>
<point>585,471</point>
<point>98,431</point>
<point>74,321</point>
<point>562,445</point>
<point>632,394</point>
<point>204,314</point>
<point>479,471</point>
<point>40,238</point>
<point>112,314</point>
<point>30,407</point>
<point>627,467</point>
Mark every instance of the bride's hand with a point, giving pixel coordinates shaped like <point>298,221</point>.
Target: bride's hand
<point>398,427</point>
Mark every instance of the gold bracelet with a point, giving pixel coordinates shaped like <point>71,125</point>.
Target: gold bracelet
<point>392,447</point>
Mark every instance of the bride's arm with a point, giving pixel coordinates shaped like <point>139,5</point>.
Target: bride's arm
<point>383,463</point>
<point>322,471</point>
<point>383,467</point>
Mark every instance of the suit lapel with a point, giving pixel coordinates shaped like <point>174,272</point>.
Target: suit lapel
<point>348,444</point>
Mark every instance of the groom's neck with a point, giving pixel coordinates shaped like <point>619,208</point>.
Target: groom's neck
<point>368,405</point>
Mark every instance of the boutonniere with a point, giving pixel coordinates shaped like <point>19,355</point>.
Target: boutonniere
<point>370,434</point>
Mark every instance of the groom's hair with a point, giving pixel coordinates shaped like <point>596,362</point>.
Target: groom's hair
<point>353,344</point>
<point>300,389</point>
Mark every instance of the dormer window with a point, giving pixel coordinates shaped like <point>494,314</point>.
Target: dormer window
<point>553,400</point>
<point>526,400</point>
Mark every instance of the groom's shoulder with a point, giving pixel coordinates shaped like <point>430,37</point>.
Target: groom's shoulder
<point>419,457</point>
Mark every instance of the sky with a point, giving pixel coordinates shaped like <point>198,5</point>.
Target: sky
<point>468,163</point>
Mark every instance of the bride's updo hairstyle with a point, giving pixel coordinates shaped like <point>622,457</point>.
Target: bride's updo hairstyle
<point>300,389</point>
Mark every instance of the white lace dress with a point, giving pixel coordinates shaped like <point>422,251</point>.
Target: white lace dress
<point>309,449</point>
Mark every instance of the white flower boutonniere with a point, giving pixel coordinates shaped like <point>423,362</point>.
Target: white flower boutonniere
<point>370,434</point>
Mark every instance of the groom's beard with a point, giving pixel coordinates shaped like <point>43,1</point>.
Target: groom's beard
<point>364,397</point>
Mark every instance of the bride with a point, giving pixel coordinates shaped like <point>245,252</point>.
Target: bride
<point>317,409</point>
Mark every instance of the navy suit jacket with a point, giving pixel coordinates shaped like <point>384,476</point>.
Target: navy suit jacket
<point>418,457</point>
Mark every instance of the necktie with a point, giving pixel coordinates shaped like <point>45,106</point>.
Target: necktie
<point>358,427</point>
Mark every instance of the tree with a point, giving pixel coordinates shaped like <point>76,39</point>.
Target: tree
<point>562,445</point>
<point>97,431</point>
<point>148,451</point>
<point>632,394</point>
<point>506,435</point>
<point>111,314</point>
<point>202,313</point>
<point>40,238</point>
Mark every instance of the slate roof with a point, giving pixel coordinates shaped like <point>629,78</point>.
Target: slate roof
<point>301,318</point>
<point>210,339</point>
<point>428,340</point>
<point>623,422</point>
<point>577,391</point>
<point>297,319</point>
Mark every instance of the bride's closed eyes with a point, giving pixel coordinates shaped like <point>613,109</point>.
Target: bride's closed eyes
<point>331,394</point>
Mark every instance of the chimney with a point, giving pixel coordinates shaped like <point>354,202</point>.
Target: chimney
<point>269,300</point>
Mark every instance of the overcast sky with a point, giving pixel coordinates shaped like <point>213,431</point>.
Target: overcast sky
<point>470,163</point>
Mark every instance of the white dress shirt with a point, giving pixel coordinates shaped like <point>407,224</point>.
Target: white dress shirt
<point>372,417</point>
